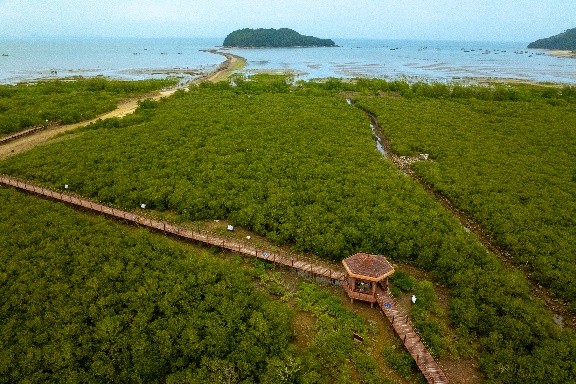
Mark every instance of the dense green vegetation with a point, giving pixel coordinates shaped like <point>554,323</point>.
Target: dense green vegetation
<point>300,167</point>
<point>510,164</point>
<point>400,359</point>
<point>67,101</point>
<point>565,41</point>
<point>280,163</point>
<point>85,300</point>
<point>273,38</point>
<point>425,312</point>
<point>332,353</point>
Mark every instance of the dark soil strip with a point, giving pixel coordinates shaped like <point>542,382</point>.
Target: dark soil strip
<point>552,303</point>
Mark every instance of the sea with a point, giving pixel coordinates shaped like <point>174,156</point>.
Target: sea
<point>32,59</point>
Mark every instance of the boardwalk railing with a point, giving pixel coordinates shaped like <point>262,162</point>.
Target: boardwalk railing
<point>25,132</point>
<point>411,339</point>
<point>400,322</point>
<point>168,228</point>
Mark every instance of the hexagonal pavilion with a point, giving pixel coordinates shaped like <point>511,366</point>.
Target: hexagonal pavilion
<point>365,275</point>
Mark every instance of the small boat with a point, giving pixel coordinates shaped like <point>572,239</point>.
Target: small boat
<point>5,54</point>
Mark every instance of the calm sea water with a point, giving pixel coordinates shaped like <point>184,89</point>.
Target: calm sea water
<point>418,60</point>
<point>137,58</point>
<point>134,58</point>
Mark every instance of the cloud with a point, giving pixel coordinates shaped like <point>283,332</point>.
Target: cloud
<point>385,19</point>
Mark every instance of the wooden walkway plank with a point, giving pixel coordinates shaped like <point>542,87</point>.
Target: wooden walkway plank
<point>20,134</point>
<point>400,321</point>
<point>411,340</point>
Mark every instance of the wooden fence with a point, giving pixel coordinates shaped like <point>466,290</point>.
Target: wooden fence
<point>185,233</point>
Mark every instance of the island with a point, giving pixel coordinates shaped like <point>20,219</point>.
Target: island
<point>564,41</point>
<point>273,38</point>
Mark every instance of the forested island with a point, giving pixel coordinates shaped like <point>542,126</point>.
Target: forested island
<point>273,38</point>
<point>564,41</point>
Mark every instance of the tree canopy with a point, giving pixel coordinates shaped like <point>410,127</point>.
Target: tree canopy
<point>88,300</point>
<point>274,38</point>
<point>85,300</point>
<point>299,165</point>
<point>65,101</point>
<point>565,41</point>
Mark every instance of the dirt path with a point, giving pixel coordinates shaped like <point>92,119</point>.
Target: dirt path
<point>26,143</point>
<point>404,164</point>
<point>231,64</point>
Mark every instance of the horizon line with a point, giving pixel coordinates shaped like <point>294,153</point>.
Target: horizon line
<point>75,37</point>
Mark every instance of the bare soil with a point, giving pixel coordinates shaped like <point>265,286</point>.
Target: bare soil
<point>26,143</point>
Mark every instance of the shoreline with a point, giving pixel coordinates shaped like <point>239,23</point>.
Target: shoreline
<point>228,67</point>
<point>142,58</point>
<point>25,143</point>
<point>562,53</point>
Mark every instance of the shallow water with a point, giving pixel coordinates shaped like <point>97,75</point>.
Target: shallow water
<point>118,58</point>
<point>138,58</point>
<point>379,145</point>
<point>445,61</point>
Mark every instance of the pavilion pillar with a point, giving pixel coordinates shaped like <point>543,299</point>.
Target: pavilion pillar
<point>373,286</point>
<point>370,269</point>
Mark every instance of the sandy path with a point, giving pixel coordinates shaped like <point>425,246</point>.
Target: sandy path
<point>562,53</point>
<point>26,143</point>
<point>231,64</point>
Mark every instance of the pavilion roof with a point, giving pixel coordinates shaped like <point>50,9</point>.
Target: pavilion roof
<point>368,267</point>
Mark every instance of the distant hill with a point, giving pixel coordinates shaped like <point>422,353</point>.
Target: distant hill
<point>273,38</point>
<point>565,41</point>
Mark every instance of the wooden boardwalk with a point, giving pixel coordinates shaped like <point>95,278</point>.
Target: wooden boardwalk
<point>410,338</point>
<point>168,228</point>
<point>23,133</point>
<point>400,322</point>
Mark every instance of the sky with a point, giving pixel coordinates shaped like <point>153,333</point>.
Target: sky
<point>469,20</point>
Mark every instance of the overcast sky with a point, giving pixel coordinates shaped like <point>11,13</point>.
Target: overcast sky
<point>492,20</point>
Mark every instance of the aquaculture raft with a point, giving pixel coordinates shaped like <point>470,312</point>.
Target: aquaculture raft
<point>400,322</point>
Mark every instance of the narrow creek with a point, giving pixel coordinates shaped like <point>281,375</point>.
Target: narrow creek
<point>561,315</point>
<point>379,145</point>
